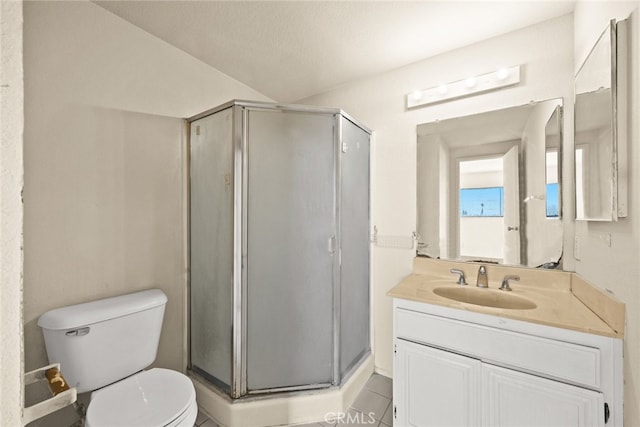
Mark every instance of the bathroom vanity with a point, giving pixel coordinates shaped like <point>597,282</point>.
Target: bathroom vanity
<point>555,361</point>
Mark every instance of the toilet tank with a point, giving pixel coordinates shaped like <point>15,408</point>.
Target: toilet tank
<point>101,342</point>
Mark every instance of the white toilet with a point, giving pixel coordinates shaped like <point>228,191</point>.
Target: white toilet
<point>103,347</point>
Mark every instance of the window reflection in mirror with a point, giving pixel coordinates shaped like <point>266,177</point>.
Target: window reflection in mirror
<point>553,194</point>
<point>553,137</point>
<point>489,186</point>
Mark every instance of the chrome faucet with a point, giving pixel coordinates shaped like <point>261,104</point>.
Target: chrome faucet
<point>460,273</point>
<point>505,282</point>
<point>483,281</point>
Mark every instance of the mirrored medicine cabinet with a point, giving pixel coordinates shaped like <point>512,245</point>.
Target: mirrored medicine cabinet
<point>600,128</point>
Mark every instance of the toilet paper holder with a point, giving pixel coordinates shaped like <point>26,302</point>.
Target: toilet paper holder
<point>62,394</point>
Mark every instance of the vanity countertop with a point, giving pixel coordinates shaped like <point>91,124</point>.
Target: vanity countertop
<point>563,299</point>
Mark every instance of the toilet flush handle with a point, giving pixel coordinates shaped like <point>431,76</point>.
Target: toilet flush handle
<point>78,332</point>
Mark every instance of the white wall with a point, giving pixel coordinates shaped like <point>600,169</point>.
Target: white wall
<point>616,267</point>
<point>11,172</point>
<point>482,237</point>
<point>486,179</point>
<point>428,196</point>
<point>105,163</point>
<point>546,53</point>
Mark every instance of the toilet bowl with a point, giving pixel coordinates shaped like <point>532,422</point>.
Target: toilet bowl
<point>104,346</point>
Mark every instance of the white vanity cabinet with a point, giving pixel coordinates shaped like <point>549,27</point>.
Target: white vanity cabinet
<point>458,368</point>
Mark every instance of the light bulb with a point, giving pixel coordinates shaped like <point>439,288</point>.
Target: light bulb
<point>503,73</point>
<point>442,89</point>
<point>417,95</point>
<point>471,82</point>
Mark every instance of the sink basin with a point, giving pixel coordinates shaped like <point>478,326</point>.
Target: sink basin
<point>485,297</point>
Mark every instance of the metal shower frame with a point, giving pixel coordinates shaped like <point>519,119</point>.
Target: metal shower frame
<point>238,386</point>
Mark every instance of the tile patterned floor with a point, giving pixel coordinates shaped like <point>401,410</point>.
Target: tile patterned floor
<point>372,408</point>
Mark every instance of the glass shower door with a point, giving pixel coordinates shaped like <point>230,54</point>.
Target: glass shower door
<point>290,249</point>
<point>211,241</point>
<point>354,238</point>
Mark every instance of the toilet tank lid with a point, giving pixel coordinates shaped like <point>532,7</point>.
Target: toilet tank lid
<point>74,316</point>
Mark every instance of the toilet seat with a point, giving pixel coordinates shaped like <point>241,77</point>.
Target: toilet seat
<point>157,397</point>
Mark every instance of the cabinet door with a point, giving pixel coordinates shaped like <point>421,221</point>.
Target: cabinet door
<point>511,398</point>
<point>434,387</point>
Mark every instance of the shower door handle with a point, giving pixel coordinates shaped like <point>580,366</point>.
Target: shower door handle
<point>332,245</point>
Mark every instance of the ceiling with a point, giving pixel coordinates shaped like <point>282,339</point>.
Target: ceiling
<point>289,50</point>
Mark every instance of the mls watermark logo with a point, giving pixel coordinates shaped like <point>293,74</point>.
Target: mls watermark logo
<point>350,418</point>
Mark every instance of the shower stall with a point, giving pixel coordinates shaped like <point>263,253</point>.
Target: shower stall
<point>279,247</point>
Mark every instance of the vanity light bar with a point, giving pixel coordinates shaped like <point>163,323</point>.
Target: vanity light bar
<point>473,85</point>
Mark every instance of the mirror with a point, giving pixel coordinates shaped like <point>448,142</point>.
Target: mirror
<point>600,152</point>
<point>489,186</point>
<point>553,169</point>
